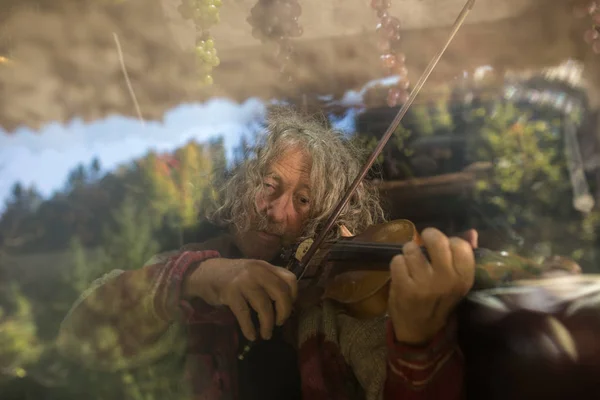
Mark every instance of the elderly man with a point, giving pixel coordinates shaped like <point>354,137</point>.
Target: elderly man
<point>197,297</point>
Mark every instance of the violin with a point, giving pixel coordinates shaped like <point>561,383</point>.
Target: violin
<point>355,271</point>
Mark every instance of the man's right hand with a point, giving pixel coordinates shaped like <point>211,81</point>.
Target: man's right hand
<point>241,284</point>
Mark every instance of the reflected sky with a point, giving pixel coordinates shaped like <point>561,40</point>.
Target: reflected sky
<point>44,158</point>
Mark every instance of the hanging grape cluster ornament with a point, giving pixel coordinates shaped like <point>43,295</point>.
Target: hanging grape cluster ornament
<point>276,21</point>
<point>590,9</point>
<point>204,14</point>
<point>388,41</point>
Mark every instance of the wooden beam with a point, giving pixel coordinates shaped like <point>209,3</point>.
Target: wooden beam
<point>431,197</point>
<point>447,184</point>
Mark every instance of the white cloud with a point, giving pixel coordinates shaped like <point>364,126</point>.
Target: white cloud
<point>44,158</point>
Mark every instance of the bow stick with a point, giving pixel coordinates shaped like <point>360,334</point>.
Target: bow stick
<point>301,269</point>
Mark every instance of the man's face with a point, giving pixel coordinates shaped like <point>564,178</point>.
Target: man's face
<point>283,202</point>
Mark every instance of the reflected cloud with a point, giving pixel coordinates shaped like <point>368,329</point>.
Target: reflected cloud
<point>44,158</point>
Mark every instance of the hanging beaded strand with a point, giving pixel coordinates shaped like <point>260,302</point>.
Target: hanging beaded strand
<point>388,41</point>
<point>590,9</point>
<point>276,21</point>
<point>204,14</point>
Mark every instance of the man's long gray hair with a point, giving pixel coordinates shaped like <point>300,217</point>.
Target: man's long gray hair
<point>335,163</point>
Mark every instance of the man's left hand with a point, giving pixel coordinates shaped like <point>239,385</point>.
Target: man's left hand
<point>424,293</point>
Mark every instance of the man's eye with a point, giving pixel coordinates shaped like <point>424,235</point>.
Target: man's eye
<point>304,200</point>
<point>269,188</point>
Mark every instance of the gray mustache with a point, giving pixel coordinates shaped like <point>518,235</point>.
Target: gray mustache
<point>276,232</point>
<point>264,225</point>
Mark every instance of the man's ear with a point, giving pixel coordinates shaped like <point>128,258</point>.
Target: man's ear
<point>345,232</point>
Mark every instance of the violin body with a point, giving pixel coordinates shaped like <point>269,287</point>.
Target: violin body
<point>365,293</point>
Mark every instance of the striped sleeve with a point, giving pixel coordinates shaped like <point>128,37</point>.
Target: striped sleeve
<point>435,371</point>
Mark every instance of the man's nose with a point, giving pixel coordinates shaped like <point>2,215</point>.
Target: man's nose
<point>279,208</point>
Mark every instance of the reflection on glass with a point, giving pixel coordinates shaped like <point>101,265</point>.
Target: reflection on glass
<point>512,152</point>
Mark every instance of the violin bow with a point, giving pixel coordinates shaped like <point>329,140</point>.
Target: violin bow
<point>383,141</point>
